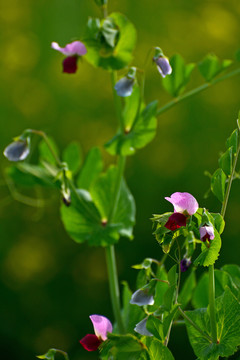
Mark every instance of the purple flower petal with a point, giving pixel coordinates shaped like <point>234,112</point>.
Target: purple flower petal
<point>141,297</point>
<point>141,328</point>
<point>70,64</point>
<point>175,221</point>
<point>74,48</point>
<point>183,203</point>
<point>185,264</point>
<point>90,342</point>
<point>206,233</point>
<point>163,66</point>
<point>101,326</point>
<point>124,87</point>
<point>17,150</point>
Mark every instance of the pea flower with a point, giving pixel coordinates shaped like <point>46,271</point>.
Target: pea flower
<point>141,328</point>
<point>162,63</point>
<point>73,51</point>
<point>142,297</point>
<point>183,203</point>
<point>101,326</point>
<point>17,150</point>
<point>185,264</point>
<point>175,221</point>
<point>124,86</point>
<point>206,233</point>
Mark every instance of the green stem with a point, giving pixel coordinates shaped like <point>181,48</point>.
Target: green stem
<point>211,292</point>
<point>225,201</point>
<point>114,288</point>
<point>120,171</point>
<point>110,252</point>
<point>177,291</point>
<point>211,267</point>
<point>117,101</point>
<point>46,139</point>
<point>197,90</point>
<point>184,315</point>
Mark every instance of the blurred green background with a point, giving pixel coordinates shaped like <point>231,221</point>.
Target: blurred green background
<point>49,284</point>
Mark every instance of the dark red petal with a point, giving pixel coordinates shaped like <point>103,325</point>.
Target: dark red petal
<point>175,221</point>
<point>90,342</point>
<point>70,64</point>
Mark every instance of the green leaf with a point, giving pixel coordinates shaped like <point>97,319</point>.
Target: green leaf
<point>211,66</point>
<point>200,295</point>
<point>109,32</point>
<point>131,107</point>
<point>222,279</point>
<point>234,272</point>
<point>50,355</point>
<point>29,175</point>
<point>124,347</point>
<point>225,161</point>
<point>103,191</point>
<point>237,55</point>
<point>155,326</point>
<point>44,152</point>
<point>138,137</point>
<point>209,254</point>
<point>232,141</point>
<point>131,314</point>
<point>218,182</point>
<point>218,222</point>
<point>169,295</point>
<point>172,275</point>
<point>156,350</point>
<point>187,291</point>
<point>146,264</point>
<point>228,328</point>
<point>72,155</point>
<point>108,49</point>
<point>91,169</point>
<point>85,219</point>
<point>161,287</point>
<point>82,221</point>
<point>180,76</point>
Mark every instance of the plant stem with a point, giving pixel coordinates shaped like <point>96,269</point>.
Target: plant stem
<point>211,283</point>
<point>110,252</point>
<point>197,90</point>
<point>177,291</point>
<point>45,138</point>
<point>114,288</point>
<point>184,315</point>
<point>211,293</point>
<point>225,201</point>
<point>117,101</point>
<point>120,171</point>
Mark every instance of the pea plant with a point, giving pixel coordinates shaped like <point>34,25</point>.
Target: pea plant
<point>98,208</point>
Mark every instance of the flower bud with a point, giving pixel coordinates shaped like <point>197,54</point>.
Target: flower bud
<point>185,264</point>
<point>141,328</point>
<point>124,86</point>
<point>17,150</point>
<point>206,233</point>
<point>162,62</point>
<point>142,297</point>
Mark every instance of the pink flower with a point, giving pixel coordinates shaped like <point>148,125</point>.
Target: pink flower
<point>101,326</point>
<point>175,221</point>
<point>206,233</point>
<point>73,51</point>
<point>183,203</point>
